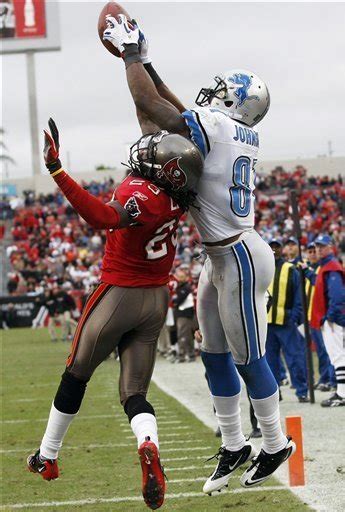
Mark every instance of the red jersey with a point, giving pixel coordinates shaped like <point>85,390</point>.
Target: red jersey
<point>142,254</point>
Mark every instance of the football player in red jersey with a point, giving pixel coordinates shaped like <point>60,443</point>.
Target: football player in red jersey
<point>128,308</point>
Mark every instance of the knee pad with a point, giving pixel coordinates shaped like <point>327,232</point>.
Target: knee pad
<point>137,404</point>
<point>259,378</point>
<point>221,373</point>
<point>69,394</point>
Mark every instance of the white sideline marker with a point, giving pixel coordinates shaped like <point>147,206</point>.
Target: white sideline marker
<point>96,501</point>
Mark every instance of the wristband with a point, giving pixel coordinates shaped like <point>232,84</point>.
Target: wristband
<point>131,54</point>
<point>53,166</point>
<point>55,173</point>
<point>153,74</point>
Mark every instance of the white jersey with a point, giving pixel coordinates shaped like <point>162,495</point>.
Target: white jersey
<point>226,188</point>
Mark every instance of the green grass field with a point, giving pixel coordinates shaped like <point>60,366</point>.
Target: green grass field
<point>98,462</point>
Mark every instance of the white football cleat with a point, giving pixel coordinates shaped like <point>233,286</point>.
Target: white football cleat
<point>228,462</point>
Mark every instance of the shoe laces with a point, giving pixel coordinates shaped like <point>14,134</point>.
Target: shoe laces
<point>216,455</point>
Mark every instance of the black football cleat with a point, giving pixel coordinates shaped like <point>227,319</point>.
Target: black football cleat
<point>228,462</point>
<point>255,433</point>
<point>333,401</point>
<point>48,469</point>
<point>303,399</point>
<point>265,464</point>
<point>321,386</point>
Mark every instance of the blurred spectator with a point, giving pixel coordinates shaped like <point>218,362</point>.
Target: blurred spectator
<point>183,303</point>
<point>9,317</point>
<point>284,316</point>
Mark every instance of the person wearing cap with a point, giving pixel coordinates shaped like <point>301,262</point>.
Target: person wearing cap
<point>284,317</point>
<point>327,379</point>
<point>328,313</point>
<point>291,247</point>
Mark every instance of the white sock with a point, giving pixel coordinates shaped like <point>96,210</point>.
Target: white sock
<point>228,413</point>
<point>268,415</point>
<point>57,427</point>
<point>145,425</point>
<point>341,390</point>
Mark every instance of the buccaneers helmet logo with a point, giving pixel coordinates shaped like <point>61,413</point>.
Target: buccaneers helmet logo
<point>173,173</point>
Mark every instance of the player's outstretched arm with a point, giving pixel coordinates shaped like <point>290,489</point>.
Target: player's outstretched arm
<point>146,125</point>
<point>91,209</point>
<point>162,89</point>
<point>143,90</point>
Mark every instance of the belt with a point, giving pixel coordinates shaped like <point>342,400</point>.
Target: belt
<point>221,243</point>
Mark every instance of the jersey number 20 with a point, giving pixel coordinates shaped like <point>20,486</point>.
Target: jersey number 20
<point>240,192</point>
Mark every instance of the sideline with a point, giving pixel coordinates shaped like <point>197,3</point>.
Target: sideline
<point>322,429</point>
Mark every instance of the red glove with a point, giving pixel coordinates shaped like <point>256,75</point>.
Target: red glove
<point>51,148</point>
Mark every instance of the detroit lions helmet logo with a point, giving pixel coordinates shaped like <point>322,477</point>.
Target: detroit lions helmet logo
<point>243,83</point>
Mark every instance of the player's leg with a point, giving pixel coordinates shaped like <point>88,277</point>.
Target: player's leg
<point>64,326</point>
<point>273,348</point>
<point>98,332</point>
<point>185,337</point>
<point>181,340</point>
<point>333,335</point>
<point>52,329</point>
<point>242,278</point>
<point>224,384</point>
<point>293,345</point>
<point>137,352</point>
<point>324,362</point>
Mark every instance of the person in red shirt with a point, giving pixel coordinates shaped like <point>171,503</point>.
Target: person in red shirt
<point>128,308</point>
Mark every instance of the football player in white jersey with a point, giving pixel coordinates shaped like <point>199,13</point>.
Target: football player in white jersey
<point>240,265</point>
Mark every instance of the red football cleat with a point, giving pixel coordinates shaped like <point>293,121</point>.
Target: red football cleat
<point>47,468</point>
<point>153,482</point>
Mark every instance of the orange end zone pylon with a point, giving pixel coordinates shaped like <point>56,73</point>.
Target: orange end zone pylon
<point>296,461</point>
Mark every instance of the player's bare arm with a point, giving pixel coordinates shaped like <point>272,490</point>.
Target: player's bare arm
<point>162,89</point>
<point>145,123</point>
<point>145,95</point>
<point>99,215</point>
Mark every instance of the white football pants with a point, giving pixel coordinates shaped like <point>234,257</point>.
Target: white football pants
<point>231,301</point>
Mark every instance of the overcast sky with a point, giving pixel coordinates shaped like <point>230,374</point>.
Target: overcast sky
<point>297,48</point>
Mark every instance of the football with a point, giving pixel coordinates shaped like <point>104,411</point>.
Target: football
<point>114,10</point>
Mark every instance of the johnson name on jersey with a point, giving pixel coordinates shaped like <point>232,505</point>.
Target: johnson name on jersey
<point>226,188</point>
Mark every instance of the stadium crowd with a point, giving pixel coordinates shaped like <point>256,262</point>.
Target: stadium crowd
<point>54,254</point>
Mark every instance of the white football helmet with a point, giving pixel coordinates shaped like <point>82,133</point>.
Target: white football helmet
<point>240,93</point>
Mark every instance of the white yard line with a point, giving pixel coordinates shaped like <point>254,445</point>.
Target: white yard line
<point>124,499</point>
<point>170,422</point>
<point>115,445</point>
<point>197,479</point>
<point>187,468</point>
<point>163,436</point>
<point>173,459</point>
<point>161,430</point>
<point>86,417</point>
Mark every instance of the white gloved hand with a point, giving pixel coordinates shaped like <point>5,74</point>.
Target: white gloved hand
<point>118,32</point>
<point>144,48</point>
